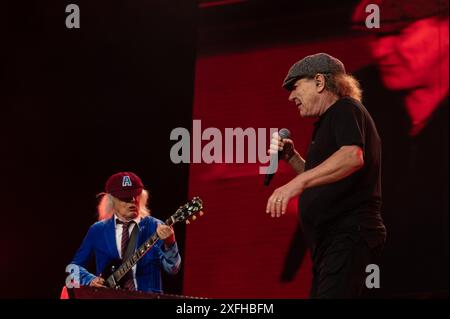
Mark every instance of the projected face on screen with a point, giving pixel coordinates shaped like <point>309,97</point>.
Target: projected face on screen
<point>411,57</point>
<point>415,60</point>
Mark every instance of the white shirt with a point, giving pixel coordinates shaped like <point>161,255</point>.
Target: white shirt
<point>119,239</point>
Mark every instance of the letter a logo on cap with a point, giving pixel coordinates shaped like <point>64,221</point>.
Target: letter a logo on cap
<point>126,181</point>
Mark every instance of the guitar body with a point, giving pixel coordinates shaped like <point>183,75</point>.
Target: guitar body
<point>107,274</point>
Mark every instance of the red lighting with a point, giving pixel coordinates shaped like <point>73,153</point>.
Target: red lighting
<point>219,3</point>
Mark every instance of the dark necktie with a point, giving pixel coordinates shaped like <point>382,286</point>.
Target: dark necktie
<point>128,278</point>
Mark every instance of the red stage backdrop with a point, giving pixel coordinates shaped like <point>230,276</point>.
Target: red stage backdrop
<point>236,250</point>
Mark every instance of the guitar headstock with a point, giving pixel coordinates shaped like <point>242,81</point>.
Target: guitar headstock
<point>188,211</point>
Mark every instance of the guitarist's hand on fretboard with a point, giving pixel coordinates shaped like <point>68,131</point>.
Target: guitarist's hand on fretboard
<point>166,234</point>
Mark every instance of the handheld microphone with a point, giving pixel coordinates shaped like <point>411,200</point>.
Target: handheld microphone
<point>283,133</point>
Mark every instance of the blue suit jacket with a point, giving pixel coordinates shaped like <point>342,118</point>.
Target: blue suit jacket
<point>100,242</point>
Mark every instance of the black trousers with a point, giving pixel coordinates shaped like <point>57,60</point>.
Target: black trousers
<point>339,265</point>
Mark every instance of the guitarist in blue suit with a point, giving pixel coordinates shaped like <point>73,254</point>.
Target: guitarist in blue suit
<point>122,209</point>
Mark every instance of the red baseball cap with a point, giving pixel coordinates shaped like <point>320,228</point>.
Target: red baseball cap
<point>124,185</point>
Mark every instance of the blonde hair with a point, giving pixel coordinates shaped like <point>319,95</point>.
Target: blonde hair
<point>343,85</point>
<point>105,206</point>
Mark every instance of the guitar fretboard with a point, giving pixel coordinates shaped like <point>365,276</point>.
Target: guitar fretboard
<point>182,214</point>
<point>138,254</point>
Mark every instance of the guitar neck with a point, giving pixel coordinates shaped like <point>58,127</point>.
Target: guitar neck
<point>138,254</point>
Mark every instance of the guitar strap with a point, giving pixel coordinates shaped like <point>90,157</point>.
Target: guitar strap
<point>131,243</point>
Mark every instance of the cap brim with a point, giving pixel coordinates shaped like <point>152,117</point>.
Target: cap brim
<point>288,84</point>
<point>386,27</point>
<point>125,194</point>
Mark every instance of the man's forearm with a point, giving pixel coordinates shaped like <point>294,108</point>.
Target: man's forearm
<point>341,164</point>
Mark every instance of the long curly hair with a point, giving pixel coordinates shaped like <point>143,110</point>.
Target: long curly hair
<point>343,85</point>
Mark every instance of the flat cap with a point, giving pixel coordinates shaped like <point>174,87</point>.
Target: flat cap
<point>310,65</point>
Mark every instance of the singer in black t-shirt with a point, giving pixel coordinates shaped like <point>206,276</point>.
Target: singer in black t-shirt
<point>339,184</point>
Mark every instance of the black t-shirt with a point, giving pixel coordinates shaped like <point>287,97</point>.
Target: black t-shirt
<point>354,201</point>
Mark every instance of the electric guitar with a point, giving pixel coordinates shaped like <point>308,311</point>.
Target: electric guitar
<point>116,270</point>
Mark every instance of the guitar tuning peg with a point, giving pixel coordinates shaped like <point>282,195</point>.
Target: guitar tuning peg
<point>188,222</point>
<point>201,213</point>
<point>194,217</point>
